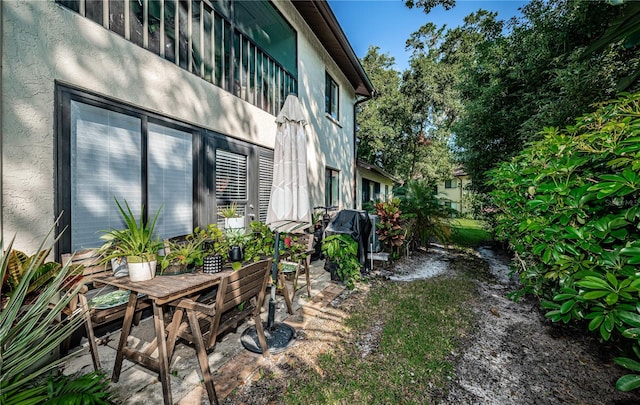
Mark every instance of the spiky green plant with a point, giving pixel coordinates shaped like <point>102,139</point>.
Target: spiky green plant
<point>29,332</point>
<point>136,241</point>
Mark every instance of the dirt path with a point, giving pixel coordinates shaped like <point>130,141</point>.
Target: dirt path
<point>514,356</point>
<point>518,357</point>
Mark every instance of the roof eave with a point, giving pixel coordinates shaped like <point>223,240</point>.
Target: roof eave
<point>320,18</point>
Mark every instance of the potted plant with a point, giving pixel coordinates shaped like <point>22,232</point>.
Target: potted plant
<point>136,243</point>
<point>236,239</point>
<point>212,248</point>
<point>232,218</point>
<point>182,256</point>
<point>261,242</point>
<point>342,258</point>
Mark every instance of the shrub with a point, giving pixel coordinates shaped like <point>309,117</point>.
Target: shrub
<point>568,205</point>
<point>430,218</point>
<point>30,328</point>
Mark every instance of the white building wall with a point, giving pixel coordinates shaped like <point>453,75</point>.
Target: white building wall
<point>44,43</point>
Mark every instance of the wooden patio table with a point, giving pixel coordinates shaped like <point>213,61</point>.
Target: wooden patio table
<point>161,290</point>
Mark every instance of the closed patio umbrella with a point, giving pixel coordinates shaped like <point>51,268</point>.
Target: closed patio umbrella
<point>289,207</point>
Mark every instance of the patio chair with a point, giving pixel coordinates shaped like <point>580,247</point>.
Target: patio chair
<point>305,239</point>
<point>97,314</point>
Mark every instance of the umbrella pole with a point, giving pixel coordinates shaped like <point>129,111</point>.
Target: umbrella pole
<point>274,281</point>
<point>278,335</point>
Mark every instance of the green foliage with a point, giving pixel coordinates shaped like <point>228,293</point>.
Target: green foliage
<point>88,389</point>
<point>29,331</point>
<point>213,240</point>
<point>343,251</point>
<point>136,240</point>
<point>17,266</point>
<point>535,76</point>
<point>430,217</point>
<point>262,242</point>
<point>569,208</point>
<point>392,231</point>
<point>187,252</point>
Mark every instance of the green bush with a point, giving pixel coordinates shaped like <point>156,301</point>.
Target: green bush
<point>568,206</point>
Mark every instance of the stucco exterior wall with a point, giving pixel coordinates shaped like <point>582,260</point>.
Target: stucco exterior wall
<point>44,43</point>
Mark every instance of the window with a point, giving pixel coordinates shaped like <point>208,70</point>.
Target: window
<point>106,150</point>
<point>245,47</point>
<point>332,187</point>
<point>450,183</point>
<point>331,97</point>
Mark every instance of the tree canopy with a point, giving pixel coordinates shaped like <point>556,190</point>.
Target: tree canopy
<point>488,88</point>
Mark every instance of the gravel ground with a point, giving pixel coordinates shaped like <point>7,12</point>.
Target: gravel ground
<point>513,356</point>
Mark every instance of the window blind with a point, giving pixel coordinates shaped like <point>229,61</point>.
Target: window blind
<point>170,180</point>
<point>105,163</point>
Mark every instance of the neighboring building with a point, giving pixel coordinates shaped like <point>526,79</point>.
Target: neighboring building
<point>374,184</point>
<point>454,192</point>
<point>166,103</point>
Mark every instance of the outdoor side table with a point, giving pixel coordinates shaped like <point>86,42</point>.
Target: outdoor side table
<point>161,290</point>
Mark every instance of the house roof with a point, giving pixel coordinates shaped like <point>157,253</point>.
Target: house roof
<point>324,24</point>
<point>459,172</point>
<point>376,169</point>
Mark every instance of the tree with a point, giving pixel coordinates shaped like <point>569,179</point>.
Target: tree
<point>379,119</point>
<point>536,77</point>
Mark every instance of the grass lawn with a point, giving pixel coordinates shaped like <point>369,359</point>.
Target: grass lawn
<point>469,232</point>
<point>411,329</point>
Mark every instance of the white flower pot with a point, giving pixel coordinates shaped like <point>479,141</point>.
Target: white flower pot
<point>142,271</point>
<point>234,223</point>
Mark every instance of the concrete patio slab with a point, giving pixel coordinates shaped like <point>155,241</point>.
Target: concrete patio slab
<point>230,363</point>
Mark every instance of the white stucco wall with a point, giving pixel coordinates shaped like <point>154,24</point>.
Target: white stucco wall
<point>332,142</point>
<point>44,42</point>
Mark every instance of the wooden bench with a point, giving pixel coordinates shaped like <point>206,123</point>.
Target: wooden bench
<point>209,315</point>
<point>92,267</point>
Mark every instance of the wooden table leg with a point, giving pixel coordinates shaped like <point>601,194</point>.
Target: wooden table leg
<point>163,360</point>
<point>203,359</point>
<point>124,334</point>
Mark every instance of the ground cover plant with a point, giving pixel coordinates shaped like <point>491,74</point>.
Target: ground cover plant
<point>569,208</point>
<point>419,325</point>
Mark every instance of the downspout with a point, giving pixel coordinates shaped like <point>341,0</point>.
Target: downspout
<point>355,149</point>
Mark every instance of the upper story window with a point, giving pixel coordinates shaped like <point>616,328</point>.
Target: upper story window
<point>450,184</point>
<point>245,47</point>
<point>331,97</point>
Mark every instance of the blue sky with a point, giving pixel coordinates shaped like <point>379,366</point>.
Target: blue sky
<point>389,23</point>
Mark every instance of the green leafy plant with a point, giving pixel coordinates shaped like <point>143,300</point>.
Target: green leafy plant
<point>342,250</point>
<point>213,240</point>
<point>89,389</point>
<point>391,232</point>
<point>29,331</point>
<point>230,211</point>
<point>568,206</point>
<point>420,202</point>
<point>136,241</point>
<point>186,253</point>
<point>261,242</point>
<point>18,264</point>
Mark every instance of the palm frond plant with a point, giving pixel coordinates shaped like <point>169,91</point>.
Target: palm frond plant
<point>136,242</point>
<point>419,200</point>
<point>30,331</point>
